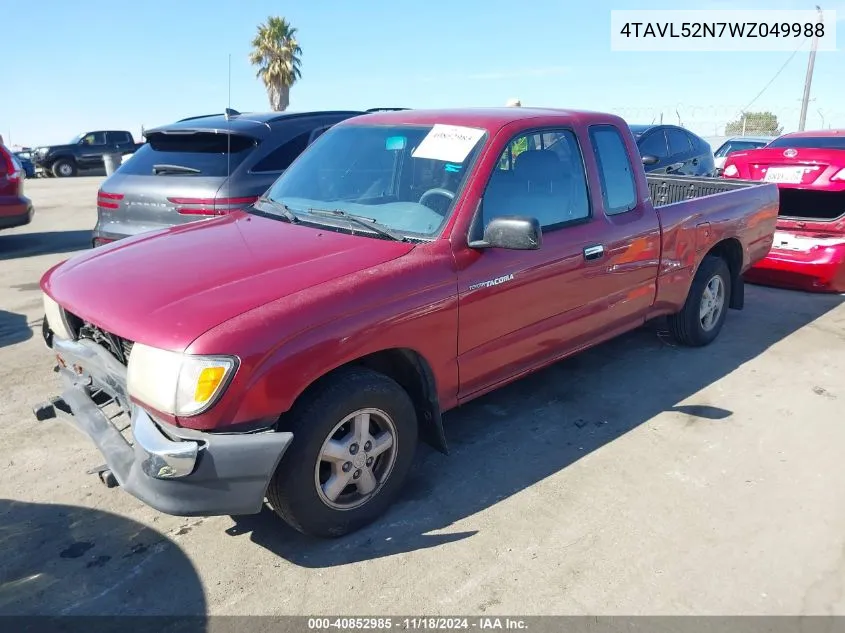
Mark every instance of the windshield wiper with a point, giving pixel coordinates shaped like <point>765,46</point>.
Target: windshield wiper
<point>174,169</point>
<point>278,207</point>
<point>370,223</point>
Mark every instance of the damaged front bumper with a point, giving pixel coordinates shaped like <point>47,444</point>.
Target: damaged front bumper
<point>175,470</point>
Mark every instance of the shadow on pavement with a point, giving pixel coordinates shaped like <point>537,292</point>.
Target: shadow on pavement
<point>58,560</point>
<point>511,439</point>
<point>29,244</point>
<point>14,328</point>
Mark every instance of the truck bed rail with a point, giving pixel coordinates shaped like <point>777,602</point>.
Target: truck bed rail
<point>668,189</point>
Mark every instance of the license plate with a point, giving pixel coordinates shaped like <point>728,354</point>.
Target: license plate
<point>792,175</point>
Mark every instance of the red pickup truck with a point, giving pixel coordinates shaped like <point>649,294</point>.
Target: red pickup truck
<point>405,264</point>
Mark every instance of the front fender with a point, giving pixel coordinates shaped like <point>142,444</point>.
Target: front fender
<point>407,304</point>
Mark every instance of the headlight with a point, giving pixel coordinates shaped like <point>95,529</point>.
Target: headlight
<point>175,383</point>
<point>55,318</point>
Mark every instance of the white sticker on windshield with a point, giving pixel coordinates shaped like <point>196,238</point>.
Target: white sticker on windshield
<point>451,143</point>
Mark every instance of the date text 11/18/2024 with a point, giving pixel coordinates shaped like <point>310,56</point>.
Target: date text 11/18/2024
<point>416,623</point>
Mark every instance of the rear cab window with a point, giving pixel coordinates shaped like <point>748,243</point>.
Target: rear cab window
<point>618,188</point>
<point>119,137</point>
<point>190,154</point>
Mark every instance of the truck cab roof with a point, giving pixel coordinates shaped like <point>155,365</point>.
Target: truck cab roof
<point>491,119</point>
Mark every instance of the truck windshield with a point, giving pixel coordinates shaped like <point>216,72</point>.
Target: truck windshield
<point>405,178</point>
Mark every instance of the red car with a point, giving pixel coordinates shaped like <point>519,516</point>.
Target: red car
<point>406,263</point>
<point>15,208</point>
<point>809,247</point>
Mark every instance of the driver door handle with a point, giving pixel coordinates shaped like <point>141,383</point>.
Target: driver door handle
<point>594,252</point>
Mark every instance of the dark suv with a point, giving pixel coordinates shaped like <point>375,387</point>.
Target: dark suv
<point>202,167</point>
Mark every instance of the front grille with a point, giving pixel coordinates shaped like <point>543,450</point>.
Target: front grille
<point>127,347</point>
<point>117,346</point>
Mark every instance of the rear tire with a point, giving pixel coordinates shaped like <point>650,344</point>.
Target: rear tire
<point>342,472</point>
<point>64,168</point>
<point>703,315</point>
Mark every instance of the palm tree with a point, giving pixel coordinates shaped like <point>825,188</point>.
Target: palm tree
<point>277,55</point>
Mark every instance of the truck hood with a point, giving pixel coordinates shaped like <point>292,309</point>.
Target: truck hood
<point>53,148</point>
<point>167,288</point>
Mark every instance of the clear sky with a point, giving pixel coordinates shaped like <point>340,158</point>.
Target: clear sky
<point>72,66</point>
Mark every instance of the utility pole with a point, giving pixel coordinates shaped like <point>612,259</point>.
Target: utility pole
<point>809,79</point>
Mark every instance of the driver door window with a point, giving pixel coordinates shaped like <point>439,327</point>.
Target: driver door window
<point>540,175</point>
<point>95,138</point>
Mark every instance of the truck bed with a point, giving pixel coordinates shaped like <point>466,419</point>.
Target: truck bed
<point>668,189</point>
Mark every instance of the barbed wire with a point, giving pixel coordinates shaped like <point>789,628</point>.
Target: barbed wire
<point>727,120</point>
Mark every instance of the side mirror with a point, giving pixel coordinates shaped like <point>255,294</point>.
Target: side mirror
<point>648,159</point>
<point>514,232</point>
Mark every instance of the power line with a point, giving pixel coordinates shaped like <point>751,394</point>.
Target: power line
<point>772,80</point>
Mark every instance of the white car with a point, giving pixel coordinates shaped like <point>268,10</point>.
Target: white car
<point>738,144</point>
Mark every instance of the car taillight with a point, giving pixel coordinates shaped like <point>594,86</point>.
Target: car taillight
<point>731,171</point>
<point>109,201</point>
<point>100,241</point>
<point>211,206</point>
<point>8,167</point>
<point>840,175</point>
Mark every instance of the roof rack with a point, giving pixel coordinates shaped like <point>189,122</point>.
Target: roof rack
<point>386,109</point>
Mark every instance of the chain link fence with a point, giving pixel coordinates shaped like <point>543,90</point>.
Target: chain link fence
<point>716,123</point>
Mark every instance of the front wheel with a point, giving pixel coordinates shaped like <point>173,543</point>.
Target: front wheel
<point>703,315</point>
<point>64,168</point>
<point>354,440</point>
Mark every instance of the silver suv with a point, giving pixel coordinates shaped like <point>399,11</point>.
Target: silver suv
<point>203,167</point>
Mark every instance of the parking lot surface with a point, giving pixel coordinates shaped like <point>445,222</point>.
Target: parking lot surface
<point>636,478</point>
